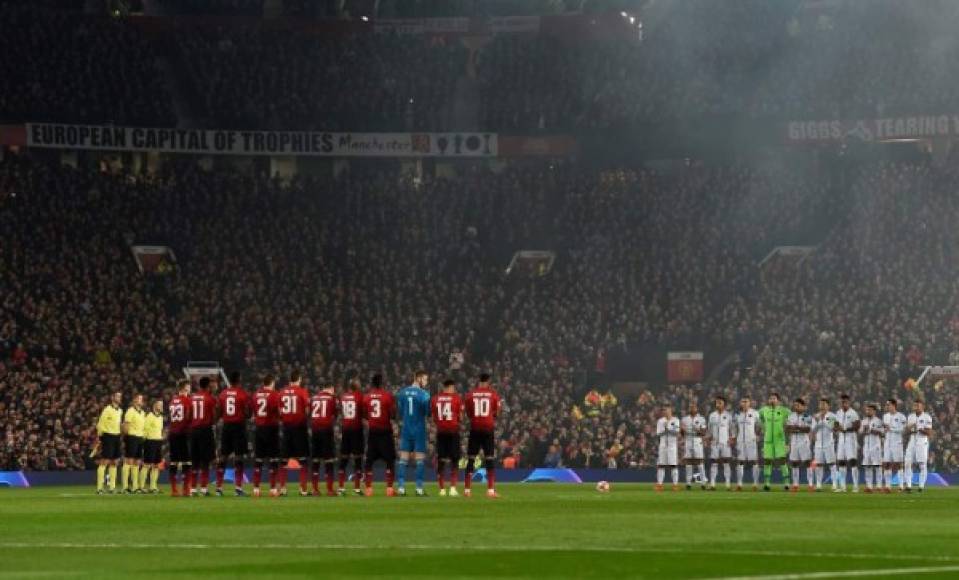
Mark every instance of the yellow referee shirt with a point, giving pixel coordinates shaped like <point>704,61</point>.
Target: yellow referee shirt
<point>153,428</point>
<point>109,422</point>
<point>135,419</point>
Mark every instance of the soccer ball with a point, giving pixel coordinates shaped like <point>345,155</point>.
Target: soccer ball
<point>602,487</point>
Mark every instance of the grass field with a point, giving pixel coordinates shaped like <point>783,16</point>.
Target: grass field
<point>543,531</point>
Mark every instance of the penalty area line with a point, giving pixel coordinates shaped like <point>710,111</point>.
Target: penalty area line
<point>872,572</point>
<point>476,548</point>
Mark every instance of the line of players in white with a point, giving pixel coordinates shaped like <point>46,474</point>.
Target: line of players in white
<point>834,440</point>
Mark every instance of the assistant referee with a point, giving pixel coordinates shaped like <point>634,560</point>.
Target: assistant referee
<point>108,432</point>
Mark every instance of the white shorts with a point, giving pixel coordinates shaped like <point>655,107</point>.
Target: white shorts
<point>847,448</point>
<point>668,455</point>
<point>719,451</point>
<point>747,452</point>
<point>824,454</point>
<point>800,452</point>
<point>872,456</point>
<point>892,451</point>
<point>694,449</point>
<point>917,452</point>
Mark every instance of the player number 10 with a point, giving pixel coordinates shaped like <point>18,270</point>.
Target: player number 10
<point>481,407</point>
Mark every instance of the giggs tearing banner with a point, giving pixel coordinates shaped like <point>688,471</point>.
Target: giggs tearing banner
<point>890,128</point>
<point>232,142</point>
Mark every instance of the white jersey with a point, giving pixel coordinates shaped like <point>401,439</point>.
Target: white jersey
<point>746,438</point>
<point>824,446</point>
<point>694,428</point>
<point>668,432</point>
<point>918,449</point>
<point>894,425</point>
<point>871,430</point>
<point>847,441</point>
<point>799,448</point>
<point>720,426</point>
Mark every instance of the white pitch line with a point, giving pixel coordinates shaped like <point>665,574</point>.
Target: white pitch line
<point>467,548</point>
<point>847,573</point>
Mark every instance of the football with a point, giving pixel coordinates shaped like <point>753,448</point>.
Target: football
<point>602,487</point>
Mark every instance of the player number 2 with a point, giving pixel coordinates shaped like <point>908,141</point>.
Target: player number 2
<point>289,404</point>
<point>481,407</point>
<point>445,410</point>
<point>261,407</point>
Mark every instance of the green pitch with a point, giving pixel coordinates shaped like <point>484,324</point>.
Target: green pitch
<point>541,531</point>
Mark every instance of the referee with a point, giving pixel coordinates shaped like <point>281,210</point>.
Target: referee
<point>134,422</point>
<point>108,432</point>
<point>152,448</point>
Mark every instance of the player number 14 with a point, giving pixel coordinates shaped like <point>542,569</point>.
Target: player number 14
<point>445,410</point>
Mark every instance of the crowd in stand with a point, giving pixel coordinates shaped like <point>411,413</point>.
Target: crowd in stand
<point>377,271</point>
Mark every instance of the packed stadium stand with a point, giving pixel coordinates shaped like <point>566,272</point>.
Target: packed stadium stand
<point>377,269</point>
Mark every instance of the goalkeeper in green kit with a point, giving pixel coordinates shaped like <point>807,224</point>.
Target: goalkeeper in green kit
<point>773,418</point>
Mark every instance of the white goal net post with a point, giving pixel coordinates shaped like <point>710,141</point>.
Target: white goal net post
<point>196,370</point>
<point>937,375</point>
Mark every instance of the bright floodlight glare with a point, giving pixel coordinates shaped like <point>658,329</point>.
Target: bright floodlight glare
<point>632,19</point>
<point>623,14</point>
<point>364,19</point>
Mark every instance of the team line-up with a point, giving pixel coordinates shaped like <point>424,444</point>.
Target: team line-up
<point>798,440</point>
<point>307,425</point>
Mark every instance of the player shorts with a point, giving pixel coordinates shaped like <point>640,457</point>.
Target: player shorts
<point>892,451</point>
<point>747,452</point>
<point>323,445</point>
<point>800,452</point>
<point>132,447</point>
<point>693,449</point>
<point>448,446</point>
<point>233,440</point>
<point>825,453</point>
<point>351,443</point>
<point>774,450</point>
<point>109,446</point>
<point>296,442</point>
<point>917,452</point>
<point>266,442</point>
<point>152,451</point>
<point>847,448</point>
<point>413,442</point>
<point>380,445</point>
<point>668,456</point>
<point>872,455</point>
<point>481,441</point>
<point>179,447</point>
<point>720,451</point>
<point>202,445</point>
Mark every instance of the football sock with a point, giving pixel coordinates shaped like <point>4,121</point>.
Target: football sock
<point>855,476</point>
<point>868,478</point>
<point>490,474</point>
<point>304,474</point>
<point>125,477</point>
<point>257,473</point>
<point>795,475</point>
<point>784,472</point>
<point>755,473</point>
<point>834,475</point>
<point>101,476</point>
<point>841,476</point>
<point>238,474</point>
<point>767,473</point>
<point>357,472</point>
<point>274,472</point>
<point>420,473</point>
<point>810,478</point>
<point>907,475</point>
<point>713,471</point>
<point>660,475</point>
<point>878,476</point>
<point>440,467</point>
<point>468,481</point>
<point>173,472</point>
<point>315,468</point>
<point>454,473</point>
<point>689,474</point>
<point>205,476</point>
<point>390,475</point>
<point>727,473</point>
<point>329,476</point>
<point>282,476</point>
<point>675,475</point>
<point>702,473</point>
<point>369,479</point>
<point>154,477</point>
<point>342,478</point>
<point>145,472</point>
<point>401,472</point>
<point>888,473</point>
<point>112,472</point>
<point>220,472</point>
<point>923,474</point>
<point>902,478</point>
<point>819,475</point>
<point>740,470</point>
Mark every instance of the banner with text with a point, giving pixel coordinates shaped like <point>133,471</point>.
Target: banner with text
<point>233,142</point>
<point>886,129</point>
<point>684,367</point>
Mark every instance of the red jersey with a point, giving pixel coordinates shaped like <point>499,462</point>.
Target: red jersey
<point>379,408</point>
<point>482,406</point>
<point>322,411</point>
<point>266,408</point>
<point>447,408</point>
<point>351,410</point>
<point>294,401</point>
<point>203,406</point>
<point>181,414</point>
<point>234,404</point>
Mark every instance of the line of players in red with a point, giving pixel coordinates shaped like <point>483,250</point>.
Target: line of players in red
<point>307,425</point>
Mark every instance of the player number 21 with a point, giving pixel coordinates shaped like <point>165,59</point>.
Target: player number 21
<point>319,408</point>
<point>481,407</point>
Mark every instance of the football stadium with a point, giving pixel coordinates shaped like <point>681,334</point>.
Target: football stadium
<point>479,288</point>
